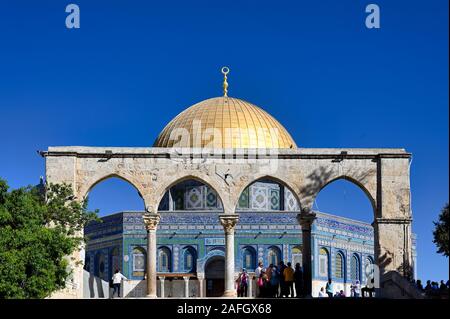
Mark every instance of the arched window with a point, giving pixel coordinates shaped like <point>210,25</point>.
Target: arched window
<point>369,261</point>
<point>355,269</point>
<point>249,258</point>
<point>323,263</point>
<point>99,266</point>
<point>164,260</point>
<point>273,255</point>
<point>339,266</point>
<point>297,255</point>
<point>368,269</point>
<point>139,259</point>
<point>115,260</point>
<point>189,259</point>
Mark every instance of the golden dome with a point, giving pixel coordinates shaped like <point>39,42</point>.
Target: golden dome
<point>224,122</point>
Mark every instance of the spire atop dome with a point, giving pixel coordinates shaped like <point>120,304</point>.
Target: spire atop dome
<point>225,71</point>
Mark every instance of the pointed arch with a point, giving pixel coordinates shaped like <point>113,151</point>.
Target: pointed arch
<point>324,263</point>
<point>87,187</point>
<point>139,259</point>
<point>355,268</point>
<point>358,192</point>
<point>189,261</point>
<point>113,184</point>
<point>291,189</point>
<point>297,255</point>
<point>165,188</point>
<point>368,261</point>
<point>369,196</point>
<point>339,265</point>
<point>164,259</point>
<point>273,255</point>
<point>249,258</point>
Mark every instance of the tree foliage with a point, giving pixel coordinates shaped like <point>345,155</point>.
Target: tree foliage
<point>39,227</point>
<point>441,232</point>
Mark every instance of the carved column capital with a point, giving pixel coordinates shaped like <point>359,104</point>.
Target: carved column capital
<point>228,222</point>
<point>151,221</point>
<point>306,220</point>
<point>200,276</point>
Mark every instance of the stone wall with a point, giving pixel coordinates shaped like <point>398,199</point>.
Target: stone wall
<point>95,287</point>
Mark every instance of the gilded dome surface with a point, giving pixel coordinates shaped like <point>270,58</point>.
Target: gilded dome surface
<point>224,122</point>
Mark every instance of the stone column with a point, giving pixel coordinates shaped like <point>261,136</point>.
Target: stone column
<point>62,169</point>
<point>305,219</point>
<point>250,286</point>
<point>151,221</point>
<point>161,280</point>
<point>228,222</point>
<point>186,286</point>
<point>392,225</point>
<point>201,280</point>
<point>393,245</point>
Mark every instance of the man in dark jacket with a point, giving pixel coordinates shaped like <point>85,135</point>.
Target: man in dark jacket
<point>298,280</point>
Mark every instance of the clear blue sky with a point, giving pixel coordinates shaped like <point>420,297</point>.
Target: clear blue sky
<point>134,65</point>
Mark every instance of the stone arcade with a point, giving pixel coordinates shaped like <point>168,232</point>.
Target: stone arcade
<point>262,152</point>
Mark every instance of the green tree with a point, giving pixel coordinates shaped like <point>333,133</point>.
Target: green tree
<point>39,227</point>
<point>441,232</point>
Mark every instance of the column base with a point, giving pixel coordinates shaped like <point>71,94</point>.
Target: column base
<point>151,296</point>
<point>230,293</point>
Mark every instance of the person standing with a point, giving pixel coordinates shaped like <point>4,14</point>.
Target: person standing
<point>428,288</point>
<point>298,280</point>
<point>269,272</point>
<point>443,288</point>
<point>357,289</point>
<point>258,269</point>
<point>265,288</point>
<point>434,288</point>
<point>329,288</point>
<point>322,293</point>
<point>370,289</point>
<point>260,284</point>
<point>258,272</point>
<point>419,285</point>
<point>237,285</point>
<point>117,280</point>
<point>243,283</point>
<point>274,282</point>
<point>288,274</point>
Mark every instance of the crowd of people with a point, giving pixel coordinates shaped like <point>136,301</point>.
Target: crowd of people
<point>433,289</point>
<point>280,281</point>
<point>356,291</point>
<point>273,281</point>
